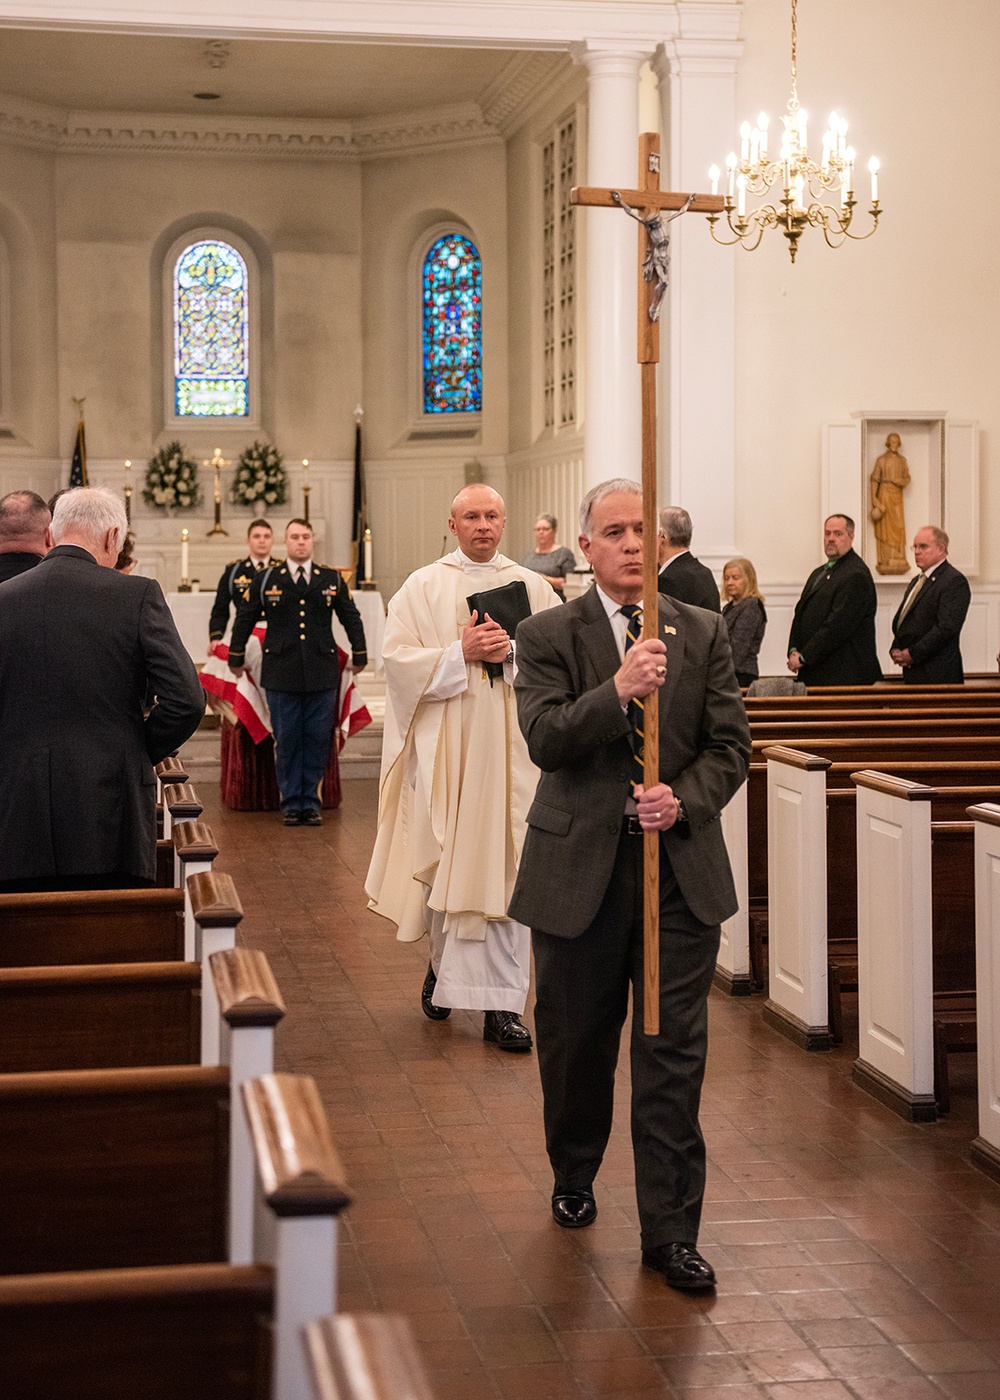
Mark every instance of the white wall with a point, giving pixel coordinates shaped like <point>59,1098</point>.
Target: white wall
<point>907,320</point>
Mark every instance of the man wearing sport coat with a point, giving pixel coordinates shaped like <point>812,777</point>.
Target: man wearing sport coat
<point>682,576</point>
<point>832,641</point>
<point>80,647</point>
<point>929,621</point>
<point>579,885</point>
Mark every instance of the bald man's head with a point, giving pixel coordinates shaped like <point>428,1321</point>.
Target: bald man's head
<point>478,518</point>
<point>24,524</point>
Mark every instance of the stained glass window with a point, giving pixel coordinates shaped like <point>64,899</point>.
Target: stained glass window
<point>211,332</point>
<point>453,326</point>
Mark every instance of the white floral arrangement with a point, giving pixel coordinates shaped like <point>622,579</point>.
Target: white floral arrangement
<point>259,477</point>
<point>172,480</point>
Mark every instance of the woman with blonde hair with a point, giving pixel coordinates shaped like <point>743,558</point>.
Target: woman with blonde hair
<point>745,617</point>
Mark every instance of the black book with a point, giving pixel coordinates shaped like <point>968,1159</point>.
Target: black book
<point>507,606</point>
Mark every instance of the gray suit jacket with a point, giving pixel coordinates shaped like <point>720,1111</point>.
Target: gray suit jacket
<point>79,646</point>
<point>579,737</point>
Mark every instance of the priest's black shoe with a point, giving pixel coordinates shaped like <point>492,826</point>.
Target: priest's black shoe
<point>505,1030</point>
<point>574,1209</point>
<point>292,818</point>
<point>436,1013</point>
<point>311,818</point>
<point>681,1266</point>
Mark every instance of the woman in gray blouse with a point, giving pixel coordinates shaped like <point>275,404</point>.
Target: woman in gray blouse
<point>551,560</point>
<point>745,617</point>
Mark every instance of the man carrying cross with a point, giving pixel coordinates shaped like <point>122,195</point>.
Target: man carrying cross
<point>582,677</point>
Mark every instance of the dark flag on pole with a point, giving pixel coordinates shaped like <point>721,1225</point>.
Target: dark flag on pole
<point>360,513</point>
<point>78,470</point>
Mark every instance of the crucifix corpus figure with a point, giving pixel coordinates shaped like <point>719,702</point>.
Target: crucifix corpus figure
<point>647,205</point>
<point>656,263</point>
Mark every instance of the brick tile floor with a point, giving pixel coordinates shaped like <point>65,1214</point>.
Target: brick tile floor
<point>858,1256</point>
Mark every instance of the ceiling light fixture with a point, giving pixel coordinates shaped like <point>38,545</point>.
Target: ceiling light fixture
<point>803,182</point>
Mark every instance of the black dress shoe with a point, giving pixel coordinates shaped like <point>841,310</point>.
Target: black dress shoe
<point>311,818</point>
<point>574,1209</point>
<point>505,1030</point>
<point>681,1266</point>
<point>436,1013</point>
<point>291,818</point>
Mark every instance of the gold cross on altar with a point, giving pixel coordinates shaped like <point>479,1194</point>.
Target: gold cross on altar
<point>647,204</point>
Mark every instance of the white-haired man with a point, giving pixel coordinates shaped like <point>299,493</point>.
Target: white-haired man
<point>81,646</point>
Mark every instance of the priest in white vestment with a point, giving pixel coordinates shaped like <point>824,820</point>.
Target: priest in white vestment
<point>456,778</point>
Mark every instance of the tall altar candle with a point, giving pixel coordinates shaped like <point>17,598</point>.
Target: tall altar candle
<point>368,554</point>
<point>184,556</point>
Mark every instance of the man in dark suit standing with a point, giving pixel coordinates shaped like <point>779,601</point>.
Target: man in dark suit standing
<point>926,629</point>
<point>682,576</point>
<point>580,882</point>
<point>25,537</point>
<point>300,672</point>
<point>80,646</point>
<point>832,641</point>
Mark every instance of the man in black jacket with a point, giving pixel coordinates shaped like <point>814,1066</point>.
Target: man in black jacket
<point>234,585</point>
<point>682,576</point>
<point>80,646</point>
<point>926,629</point>
<point>832,641</point>
<point>299,672</point>
<point>25,537</point>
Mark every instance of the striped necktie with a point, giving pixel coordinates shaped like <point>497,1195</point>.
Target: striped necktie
<point>633,613</point>
<point>912,597</point>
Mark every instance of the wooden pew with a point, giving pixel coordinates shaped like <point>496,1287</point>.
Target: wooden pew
<point>121,1168</point>
<point>91,926</point>
<point>365,1356</point>
<point>180,804</point>
<point>911,697</point>
<point>126,1015</point>
<point>891,724</point>
<point>194,851</point>
<point>745,827</point>
<point>204,1332</point>
<point>170,770</point>
<point>812,904</point>
<point>915,937</point>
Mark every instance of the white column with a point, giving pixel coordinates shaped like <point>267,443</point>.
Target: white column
<point>612,402</point>
<point>698,371</point>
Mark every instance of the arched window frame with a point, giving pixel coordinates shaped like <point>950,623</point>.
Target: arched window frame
<point>464,425</point>
<point>171,420</point>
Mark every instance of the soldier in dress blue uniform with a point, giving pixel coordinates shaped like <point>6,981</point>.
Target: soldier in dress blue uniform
<point>234,585</point>
<point>300,672</point>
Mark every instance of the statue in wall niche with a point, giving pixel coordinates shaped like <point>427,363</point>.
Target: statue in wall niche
<point>888,481</point>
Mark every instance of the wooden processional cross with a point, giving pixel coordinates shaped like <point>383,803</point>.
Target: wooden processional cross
<point>647,204</point>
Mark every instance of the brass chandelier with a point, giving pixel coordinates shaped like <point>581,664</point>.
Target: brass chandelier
<point>803,183</point>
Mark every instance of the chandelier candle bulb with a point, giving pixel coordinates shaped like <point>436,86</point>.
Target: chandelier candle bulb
<point>873,167</point>
<point>762,122</point>
<point>755,147</point>
<point>713,176</point>
<point>744,142</point>
<point>730,174</point>
<point>741,197</point>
